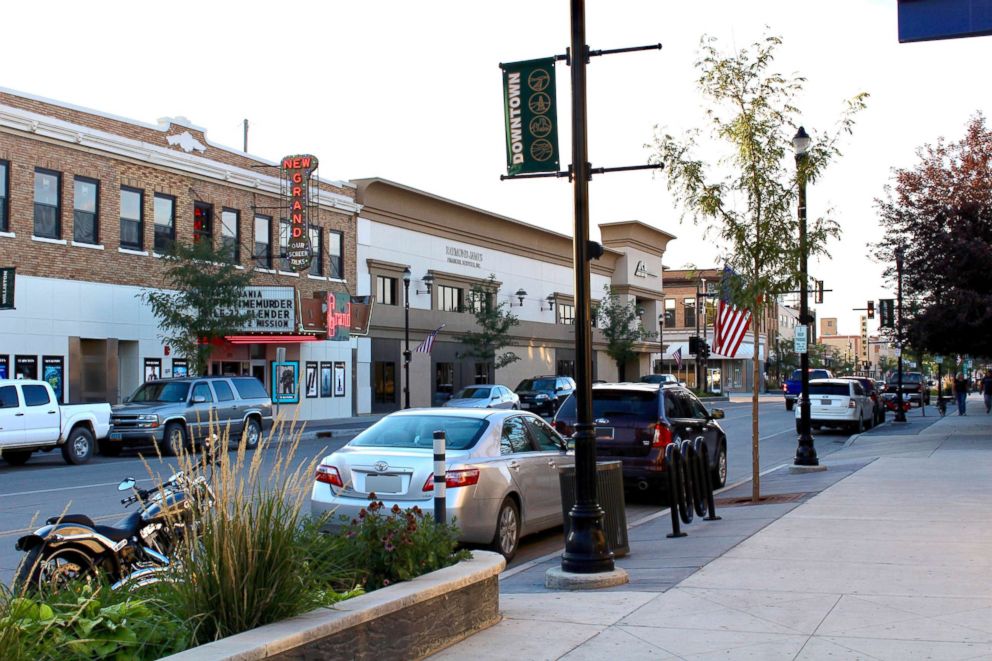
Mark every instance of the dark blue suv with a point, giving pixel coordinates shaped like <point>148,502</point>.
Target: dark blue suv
<point>544,394</point>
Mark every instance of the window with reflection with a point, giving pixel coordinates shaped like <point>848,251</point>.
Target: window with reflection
<point>85,200</point>
<point>47,204</point>
<point>132,217</point>
<point>165,223</point>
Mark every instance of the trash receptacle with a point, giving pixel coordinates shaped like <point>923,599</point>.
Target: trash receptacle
<point>609,493</point>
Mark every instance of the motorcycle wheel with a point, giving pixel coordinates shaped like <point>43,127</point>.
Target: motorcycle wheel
<point>53,570</point>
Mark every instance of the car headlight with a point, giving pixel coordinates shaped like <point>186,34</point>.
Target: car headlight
<point>541,396</point>
<point>148,418</point>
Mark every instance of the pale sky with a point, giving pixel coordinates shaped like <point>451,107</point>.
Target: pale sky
<point>411,91</point>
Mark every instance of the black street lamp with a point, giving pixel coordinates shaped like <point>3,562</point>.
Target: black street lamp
<point>406,335</point>
<point>805,452</point>
<point>661,340</point>
<point>900,414</point>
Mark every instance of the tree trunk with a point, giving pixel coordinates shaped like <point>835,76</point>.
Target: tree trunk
<point>755,464</point>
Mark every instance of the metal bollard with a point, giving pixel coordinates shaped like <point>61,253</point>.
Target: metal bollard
<point>440,477</point>
<point>673,460</point>
<point>705,461</point>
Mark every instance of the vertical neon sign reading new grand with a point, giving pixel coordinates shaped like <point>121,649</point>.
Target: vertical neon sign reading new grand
<point>297,171</point>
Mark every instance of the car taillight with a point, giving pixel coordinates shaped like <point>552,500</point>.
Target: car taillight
<point>785,388</point>
<point>329,475</point>
<point>851,404</point>
<point>662,436</point>
<point>464,477</point>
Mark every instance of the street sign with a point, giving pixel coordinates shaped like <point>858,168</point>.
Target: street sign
<point>801,339</point>
<point>898,352</point>
<point>939,360</point>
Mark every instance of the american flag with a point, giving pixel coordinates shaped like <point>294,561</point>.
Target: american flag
<point>677,355</point>
<point>729,328</point>
<point>428,343</point>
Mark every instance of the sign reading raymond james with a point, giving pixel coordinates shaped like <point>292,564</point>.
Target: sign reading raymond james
<point>297,171</point>
<point>531,121</point>
<point>463,256</point>
<point>273,309</point>
<point>7,289</point>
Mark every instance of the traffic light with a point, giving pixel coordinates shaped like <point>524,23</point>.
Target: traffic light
<point>871,309</point>
<point>694,345</point>
<point>704,350</point>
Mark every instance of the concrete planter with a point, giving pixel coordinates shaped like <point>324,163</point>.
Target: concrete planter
<point>408,620</point>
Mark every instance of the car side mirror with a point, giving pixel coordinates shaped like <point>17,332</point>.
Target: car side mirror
<point>126,484</point>
<point>199,399</point>
<point>127,399</point>
<point>716,414</point>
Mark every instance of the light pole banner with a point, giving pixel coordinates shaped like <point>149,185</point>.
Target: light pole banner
<point>531,116</point>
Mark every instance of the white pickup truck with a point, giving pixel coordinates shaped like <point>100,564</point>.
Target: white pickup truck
<point>32,419</point>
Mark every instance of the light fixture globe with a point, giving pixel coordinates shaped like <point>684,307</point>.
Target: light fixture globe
<point>406,275</point>
<point>801,142</point>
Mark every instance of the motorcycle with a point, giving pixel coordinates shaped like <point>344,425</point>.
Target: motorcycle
<point>135,551</point>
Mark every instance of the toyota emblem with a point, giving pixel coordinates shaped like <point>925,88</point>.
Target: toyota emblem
<point>380,466</point>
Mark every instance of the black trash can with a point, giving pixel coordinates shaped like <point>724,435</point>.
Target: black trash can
<point>609,493</point>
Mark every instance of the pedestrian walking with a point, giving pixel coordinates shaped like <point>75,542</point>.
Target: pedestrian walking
<point>986,388</point>
<point>961,392</point>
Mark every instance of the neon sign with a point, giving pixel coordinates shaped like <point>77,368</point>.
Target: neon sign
<point>338,316</point>
<point>297,171</point>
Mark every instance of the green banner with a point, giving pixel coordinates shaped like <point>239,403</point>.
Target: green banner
<point>531,116</point>
<point>6,289</point>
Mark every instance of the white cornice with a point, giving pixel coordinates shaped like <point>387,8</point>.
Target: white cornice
<point>85,136</point>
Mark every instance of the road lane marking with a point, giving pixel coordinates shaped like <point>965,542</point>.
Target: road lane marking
<point>82,486</point>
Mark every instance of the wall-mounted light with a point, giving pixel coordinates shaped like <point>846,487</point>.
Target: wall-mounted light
<point>551,302</point>
<point>640,311</point>
<point>428,281</point>
<point>520,294</point>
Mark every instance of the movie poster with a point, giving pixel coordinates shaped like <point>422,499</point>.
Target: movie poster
<point>312,390</point>
<point>325,380</point>
<point>53,372</point>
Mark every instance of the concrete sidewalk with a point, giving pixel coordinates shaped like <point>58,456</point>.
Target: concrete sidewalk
<point>887,555</point>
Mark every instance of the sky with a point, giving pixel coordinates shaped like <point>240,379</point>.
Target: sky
<point>412,92</point>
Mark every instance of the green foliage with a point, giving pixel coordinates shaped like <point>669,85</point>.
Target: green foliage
<point>622,328</point>
<point>195,300</point>
<point>495,321</point>
<point>398,545</point>
<point>88,623</point>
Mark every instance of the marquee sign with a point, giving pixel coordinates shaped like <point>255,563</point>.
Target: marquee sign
<point>297,172</point>
<point>270,309</point>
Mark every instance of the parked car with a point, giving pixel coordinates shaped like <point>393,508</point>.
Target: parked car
<point>793,386</point>
<point>501,472</point>
<point>913,387</point>
<point>635,423</point>
<point>484,397</point>
<point>32,419</point>
<point>544,394</point>
<point>173,413</point>
<point>875,395</point>
<point>662,379</point>
<point>839,403</point>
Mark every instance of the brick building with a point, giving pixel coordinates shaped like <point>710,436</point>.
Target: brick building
<point>89,202</point>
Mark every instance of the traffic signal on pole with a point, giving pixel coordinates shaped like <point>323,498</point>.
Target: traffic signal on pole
<point>694,345</point>
<point>871,309</point>
<point>704,350</point>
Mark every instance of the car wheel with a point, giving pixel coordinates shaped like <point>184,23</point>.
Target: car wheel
<point>789,405</point>
<point>507,535</point>
<point>16,457</point>
<point>174,440</point>
<point>719,477</point>
<point>108,449</point>
<point>79,448</point>
<point>859,426</point>
<point>252,433</point>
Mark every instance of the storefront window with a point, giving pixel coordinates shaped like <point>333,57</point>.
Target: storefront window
<point>384,383</point>
<point>482,372</point>
<point>444,382</point>
<point>566,368</point>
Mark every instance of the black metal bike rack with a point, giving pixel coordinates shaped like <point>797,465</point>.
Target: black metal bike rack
<point>690,489</point>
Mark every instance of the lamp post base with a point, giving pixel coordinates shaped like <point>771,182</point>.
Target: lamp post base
<point>586,550</point>
<point>805,452</point>
<point>558,579</point>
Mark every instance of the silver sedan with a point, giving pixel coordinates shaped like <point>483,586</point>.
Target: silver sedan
<point>484,397</point>
<point>501,472</point>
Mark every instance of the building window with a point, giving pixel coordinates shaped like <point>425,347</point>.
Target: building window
<point>444,381</point>
<point>230,235</point>
<point>566,368</point>
<point>335,255</point>
<point>85,210</point>
<point>384,383</point>
<point>47,204</point>
<point>4,196</point>
<point>479,301</point>
<point>263,242</point>
<point>165,223</point>
<point>690,312</point>
<point>482,372</point>
<point>284,230</point>
<point>565,313</point>
<point>669,313</point>
<point>132,205</point>
<point>203,222</point>
<point>385,290</point>
<point>449,299</point>
<point>316,243</point>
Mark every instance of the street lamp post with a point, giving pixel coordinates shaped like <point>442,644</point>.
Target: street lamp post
<point>406,336</point>
<point>900,414</point>
<point>805,451</point>
<point>661,341</point>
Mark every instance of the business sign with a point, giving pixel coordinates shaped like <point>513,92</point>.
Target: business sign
<point>864,338</point>
<point>361,314</point>
<point>7,288</point>
<point>463,256</point>
<point>338,316</point>
<point>531,116</point>
<point>938,359</point>
<point>801,339</point>
<point>272,309</point>
<point>886,313</point>
<point>297,171</point>
<point>930,20</point>
<point>641,270</point>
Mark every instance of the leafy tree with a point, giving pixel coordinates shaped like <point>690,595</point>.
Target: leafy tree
<point>622,327</point>
<point>940,213</point>
<point>495,321</point>
<point>750,207</point>
<point>196,303</point>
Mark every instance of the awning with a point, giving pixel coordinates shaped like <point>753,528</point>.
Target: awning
<point>270,339</point>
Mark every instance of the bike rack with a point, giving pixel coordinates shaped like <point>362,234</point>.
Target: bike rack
<point>690,490</point>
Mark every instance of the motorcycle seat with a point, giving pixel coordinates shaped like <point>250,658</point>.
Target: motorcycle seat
<point>71,518</point>
<point>122,529</point>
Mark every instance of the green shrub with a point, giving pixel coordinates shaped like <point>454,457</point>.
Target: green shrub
<point>399,544</point>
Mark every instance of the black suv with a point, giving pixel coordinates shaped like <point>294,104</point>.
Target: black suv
<point>544,394</point>
<point>635,422</point>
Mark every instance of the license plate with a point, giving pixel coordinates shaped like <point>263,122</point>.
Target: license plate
<point>604,433</point>
<point>824,402</point>
<point>383,483</point>
<point>524,405</point>
<point>116,436</point>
